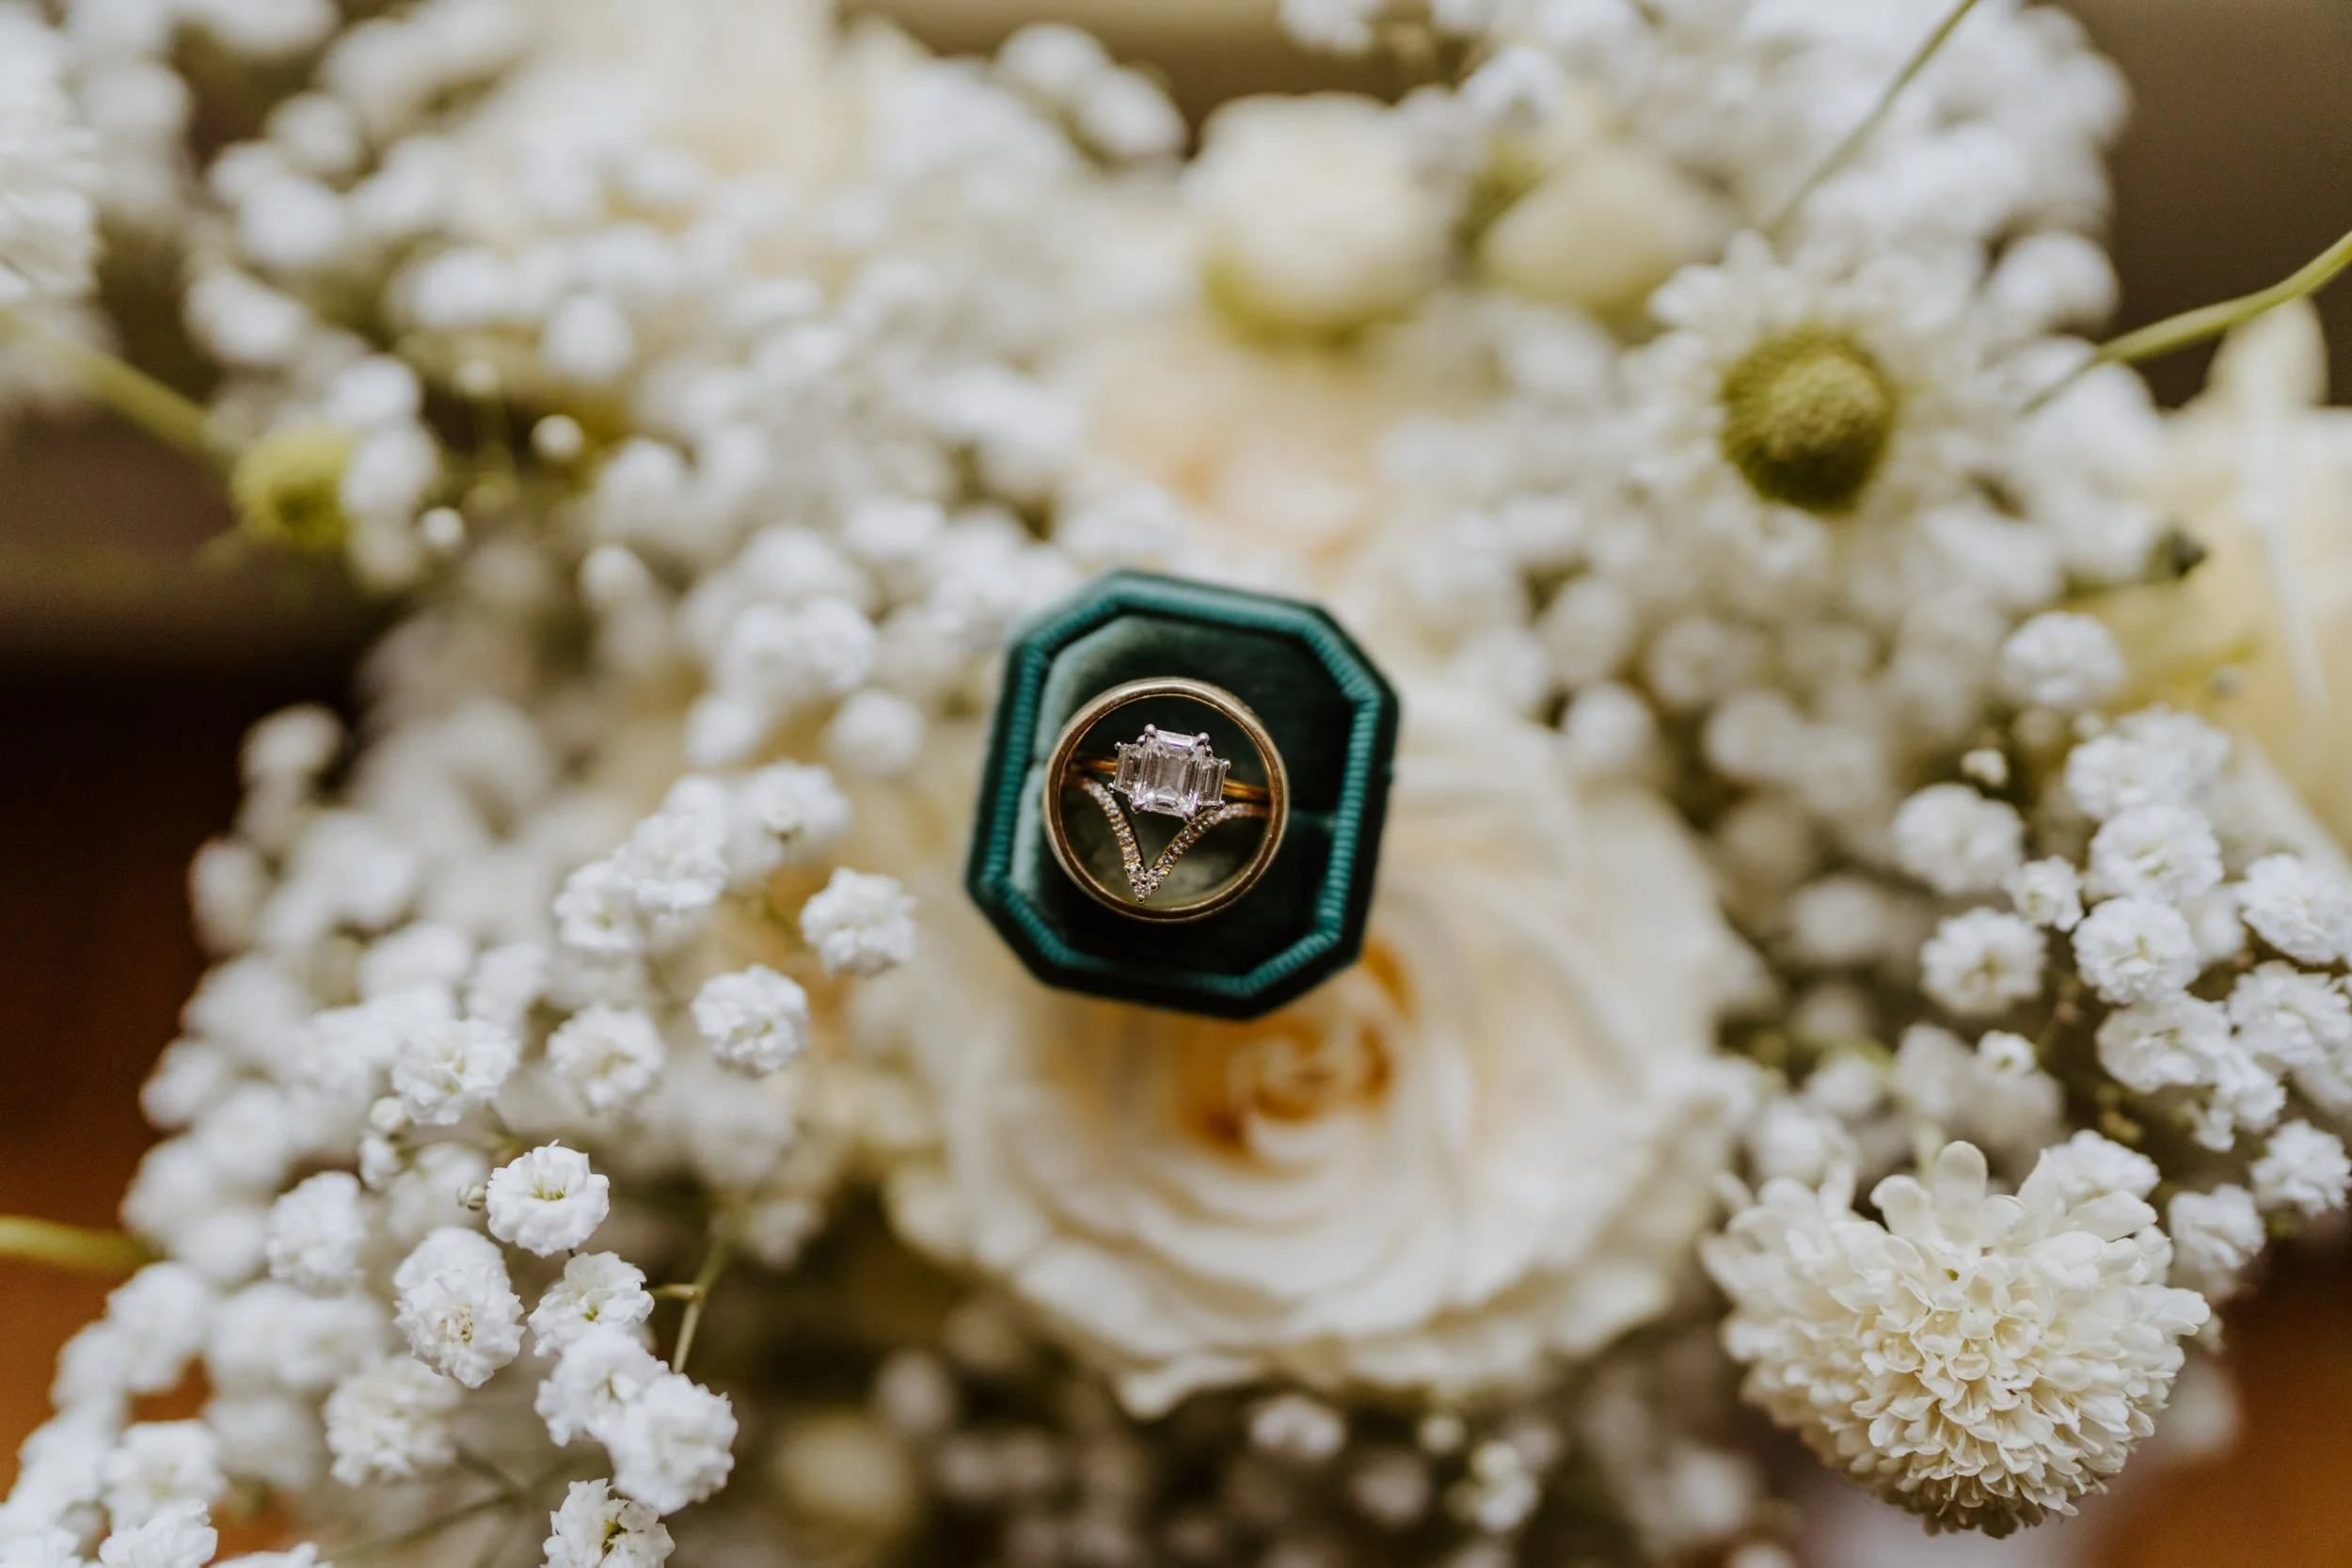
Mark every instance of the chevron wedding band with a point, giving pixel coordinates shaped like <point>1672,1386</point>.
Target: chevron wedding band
<point>1165,771</point>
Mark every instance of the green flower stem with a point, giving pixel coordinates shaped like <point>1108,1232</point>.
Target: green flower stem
<point>512,1495</point>
<point>170,415</point>
<point>495,1549</point>
<point>1855,139</point>
<point>697,1297</point>
<point>70,1246</point>
<point>2192,327</point>
<point>429,1529</point>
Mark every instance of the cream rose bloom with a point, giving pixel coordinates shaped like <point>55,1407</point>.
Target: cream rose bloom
<point>745,89</point>
<point>1312,215</point>
<point>2260,474</point>
<point>1603,220</point>
<point>1490,1142</point>
<point>1272,449</point>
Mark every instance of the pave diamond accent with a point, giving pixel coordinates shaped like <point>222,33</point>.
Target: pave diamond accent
<point>1146,879</point>
<point>1171,775</point>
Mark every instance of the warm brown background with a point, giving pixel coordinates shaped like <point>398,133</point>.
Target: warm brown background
<point>126,679</point>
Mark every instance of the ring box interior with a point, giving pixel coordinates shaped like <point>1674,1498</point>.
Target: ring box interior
<point>1333,717</point>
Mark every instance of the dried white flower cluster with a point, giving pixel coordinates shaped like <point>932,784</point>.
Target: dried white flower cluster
<point>1984,1359</point>
<point>720,385</point>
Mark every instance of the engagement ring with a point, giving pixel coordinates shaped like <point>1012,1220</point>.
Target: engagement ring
<point>1171,767</point>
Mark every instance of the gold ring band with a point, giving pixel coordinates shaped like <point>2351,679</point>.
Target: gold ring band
<point>1172,774</point>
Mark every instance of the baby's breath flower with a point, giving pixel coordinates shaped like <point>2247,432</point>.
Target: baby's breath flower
<point>2294,1018</point>
<point>316,1231</point>
<point>608,1055</point>
<point>2303,1170</point>
<point>592,1528</point>
<point>547,1201</point>
<point>2132,950</point>
<point>2165,853</point>
<point>446,1069</point>
<point>1983,963</point>
<point>2155,757</point>
<point>1957,841</point>
<point>598,1287</point>
<point>178,1536</point>
<point>506,983</point>
<point>1298,1428</point>
<point>2087,1165</point>
<point>160,1318</point>
<point>2172,1043</point>
<point>2062,661</point>
<point>159,1465</point>
<point>2214,1236</point>
<point>860,923</point>
<point>48,167</point>
<point>597,1375</point>
<point>1995,1094</point>
<point>1342,26</point>
<point>2049,893</point>
<point>391,1423</point>
<point>672,1445</point>
<point>784,815</point>
<point>2298,908</point>
<point>459,1312</point>
<point>756,1018</point>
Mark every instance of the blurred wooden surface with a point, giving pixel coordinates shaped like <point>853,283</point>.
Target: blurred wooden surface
<point>112,551</point>
<point>108,781</point>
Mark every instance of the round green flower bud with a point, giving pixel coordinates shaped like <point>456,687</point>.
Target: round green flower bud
<point>287,488</point>
<point>1808,418</point>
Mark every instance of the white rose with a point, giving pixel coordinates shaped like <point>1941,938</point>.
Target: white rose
<point>1603,230</point>
<point>743,87</point>
<point>1491,1142</point>
<point>1312,216</point>
<point>1271,450</point>
<point>2262,476</point>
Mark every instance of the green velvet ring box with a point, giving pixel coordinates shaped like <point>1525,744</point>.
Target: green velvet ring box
<point>1331,714</point>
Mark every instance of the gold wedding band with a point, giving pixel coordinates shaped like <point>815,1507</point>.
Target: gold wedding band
<point>1175,773</point>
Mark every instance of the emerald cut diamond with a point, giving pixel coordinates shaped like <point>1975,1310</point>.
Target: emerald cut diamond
<point>1173,775</point>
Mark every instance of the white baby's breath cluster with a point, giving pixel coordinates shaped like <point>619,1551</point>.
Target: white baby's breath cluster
<point>607,1133</point>
<point>48,166</point>
<point>2176,961</point>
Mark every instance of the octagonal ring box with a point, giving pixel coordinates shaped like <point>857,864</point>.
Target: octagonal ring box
<point>1333,717</point>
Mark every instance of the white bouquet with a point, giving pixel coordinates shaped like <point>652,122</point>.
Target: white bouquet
<point>1842,942</point>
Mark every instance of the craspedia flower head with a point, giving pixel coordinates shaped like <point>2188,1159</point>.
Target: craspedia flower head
<point>287,488</point>
<point>1794,387</point>
<point>1979,1359</point>
<point>1808,418</point>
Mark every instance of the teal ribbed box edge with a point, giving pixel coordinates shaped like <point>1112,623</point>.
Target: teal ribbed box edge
<point>1334,717</point>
